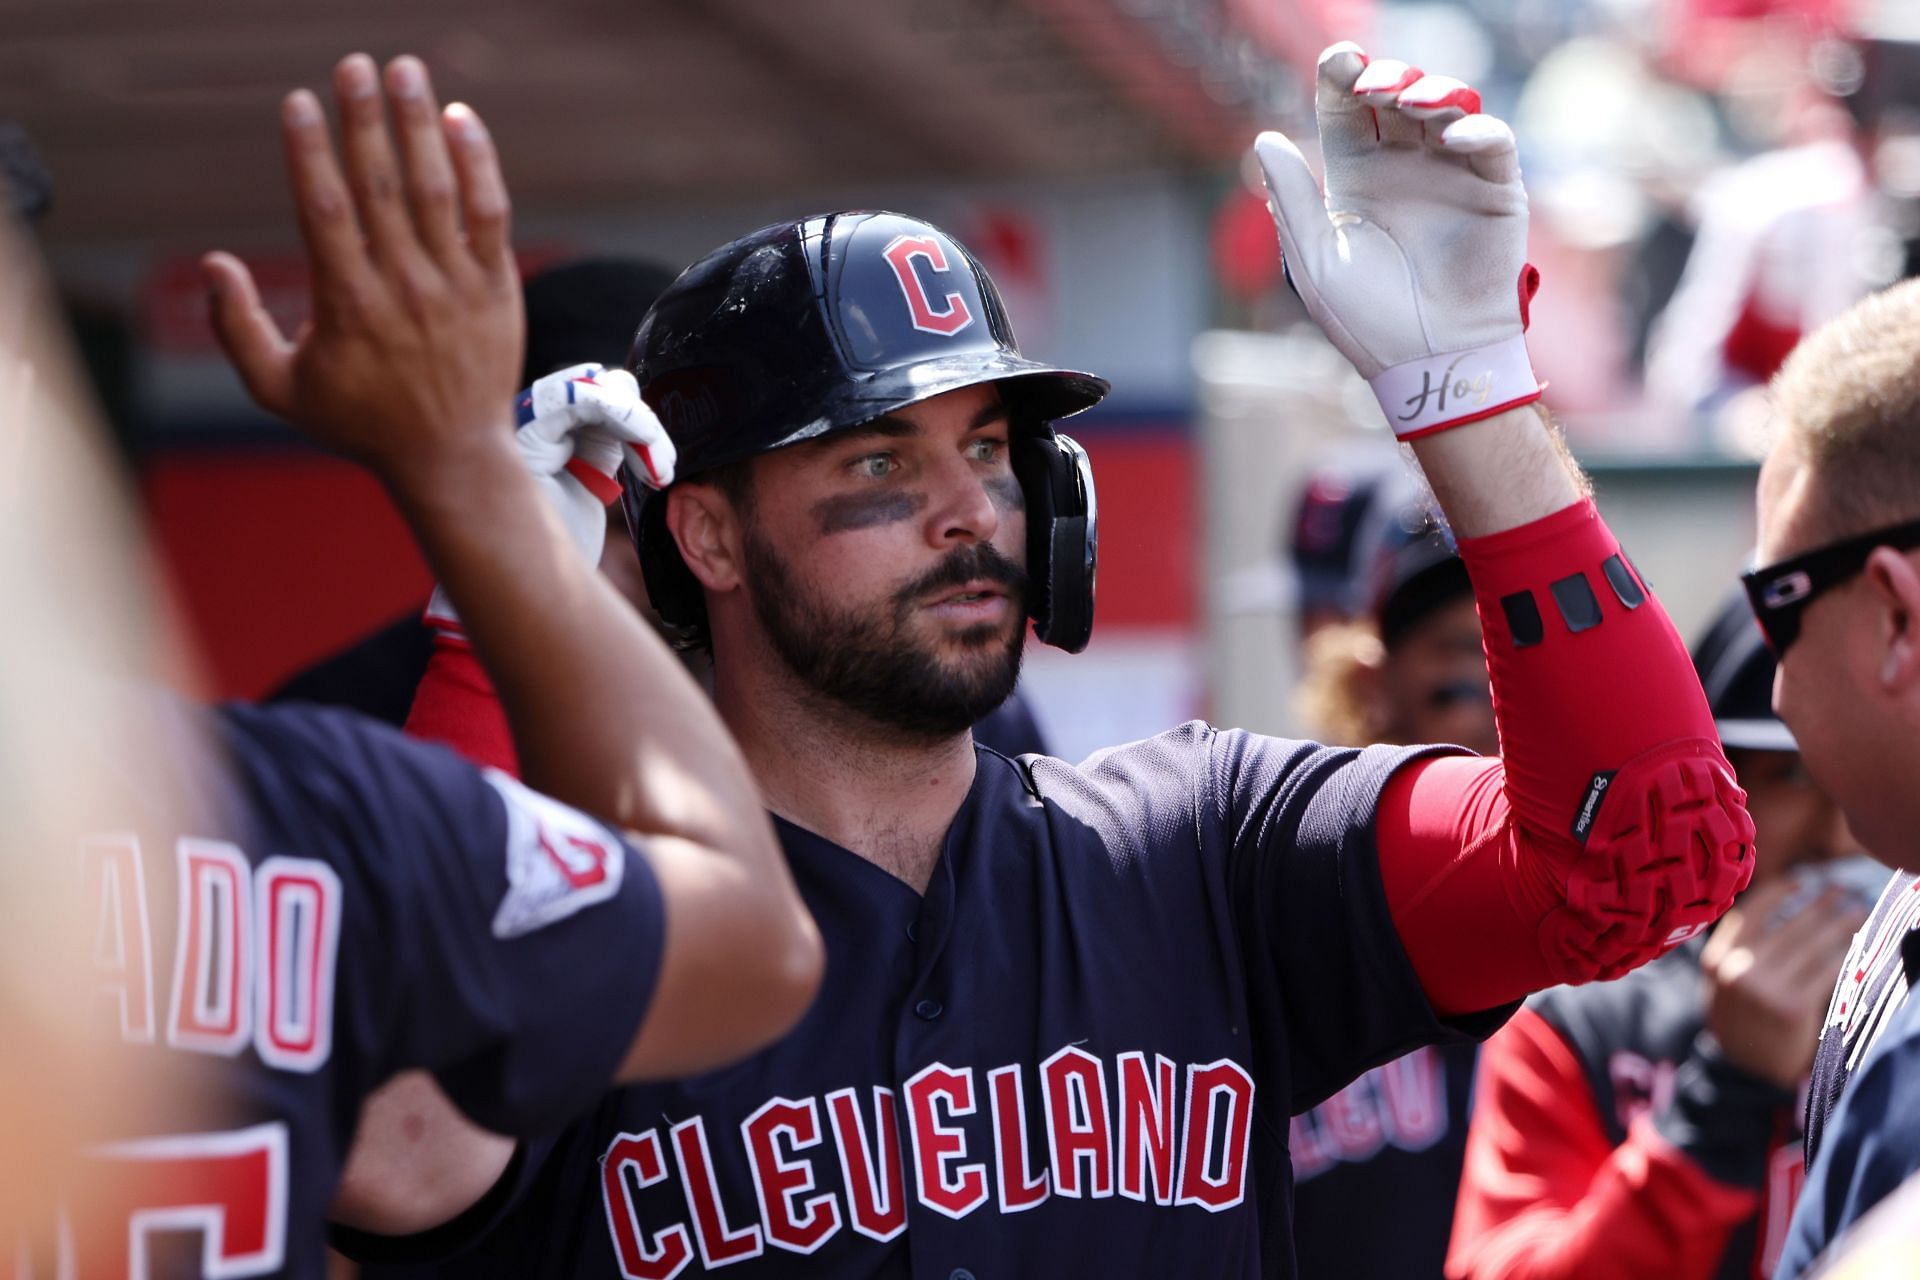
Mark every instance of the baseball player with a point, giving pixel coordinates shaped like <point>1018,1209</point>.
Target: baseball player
<point>327,902</point>
<point>1392,1141</point>
<point>1067,1010</point>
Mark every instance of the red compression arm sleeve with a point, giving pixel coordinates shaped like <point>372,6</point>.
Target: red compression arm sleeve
<point>1543,1196</point>
<point>456,704</point>
<point>1610,828</point>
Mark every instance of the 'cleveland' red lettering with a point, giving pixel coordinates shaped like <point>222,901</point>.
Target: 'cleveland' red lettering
<point>876,1194</point>
<point>638,1154</point>
<point>945,1185</point>
<point>1079,1136</point>
<point>794,1220</point>
<point>1017,1189</point>
<point>1213,1167</point>
<point>1108,1126</point>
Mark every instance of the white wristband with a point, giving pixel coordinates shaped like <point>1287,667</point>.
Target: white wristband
<point>1461,386</point>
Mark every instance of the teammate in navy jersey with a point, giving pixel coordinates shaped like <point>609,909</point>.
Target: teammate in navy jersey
<point>1391,1142</point>
<point>1067,1010</point>
<point>1838,595</point>
<point>316,902</point>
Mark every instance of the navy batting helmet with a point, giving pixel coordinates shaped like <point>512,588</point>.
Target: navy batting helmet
<point>806,328</point>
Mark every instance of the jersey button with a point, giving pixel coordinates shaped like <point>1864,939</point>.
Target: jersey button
<point>929,1010</point>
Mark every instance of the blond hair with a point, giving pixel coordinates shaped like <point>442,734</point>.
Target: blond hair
<point>1338,689</point>
<point>1848,401</point>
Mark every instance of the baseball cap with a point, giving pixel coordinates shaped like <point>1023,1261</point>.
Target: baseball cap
<point>1341,527</point>
<point>1419,571</point>
<point>1736,670</point>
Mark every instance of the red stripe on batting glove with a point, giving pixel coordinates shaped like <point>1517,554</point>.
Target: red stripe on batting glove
<point>594,481</point>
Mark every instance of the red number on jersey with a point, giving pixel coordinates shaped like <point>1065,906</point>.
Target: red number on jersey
<point>230,1187</point>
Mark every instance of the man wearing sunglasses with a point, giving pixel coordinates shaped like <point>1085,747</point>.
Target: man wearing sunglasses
<point>1838,598</point>
<point>1651,1126</point>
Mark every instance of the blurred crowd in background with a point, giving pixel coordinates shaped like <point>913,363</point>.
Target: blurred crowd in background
<point>1709,180</point>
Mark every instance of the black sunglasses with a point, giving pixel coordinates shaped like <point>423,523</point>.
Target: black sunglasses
<point>1780,592</point>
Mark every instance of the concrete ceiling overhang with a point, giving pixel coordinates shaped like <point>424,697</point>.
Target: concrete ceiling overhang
<point>157,119</point>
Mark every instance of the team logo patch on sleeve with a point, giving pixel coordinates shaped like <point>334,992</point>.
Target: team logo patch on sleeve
<point>559,860</point>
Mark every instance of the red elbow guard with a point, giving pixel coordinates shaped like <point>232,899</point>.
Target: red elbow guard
<point>1612,827</point>
<point>1669,843</point>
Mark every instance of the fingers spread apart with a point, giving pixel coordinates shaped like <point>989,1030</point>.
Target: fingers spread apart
<point>373,170</point>
<point>431,187</point>
<point>321,200</point>
<point>1293,194</point>
<point>483,192</point>
<point>252,340</point>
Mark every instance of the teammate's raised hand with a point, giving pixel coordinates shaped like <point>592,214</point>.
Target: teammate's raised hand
<point>1414,262</point>
<point>1768,978</point>
<point>416,335</point>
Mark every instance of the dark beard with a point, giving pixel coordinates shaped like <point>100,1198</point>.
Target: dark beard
<point>864,659</point>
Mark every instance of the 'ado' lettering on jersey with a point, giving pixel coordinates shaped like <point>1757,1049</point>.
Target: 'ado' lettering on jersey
<point>337,903</point>
<point>1076,1055</point>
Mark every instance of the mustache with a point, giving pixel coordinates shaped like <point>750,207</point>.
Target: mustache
<point>981,562</point>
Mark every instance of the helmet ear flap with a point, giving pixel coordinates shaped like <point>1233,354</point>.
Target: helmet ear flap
<point>1062,536</point>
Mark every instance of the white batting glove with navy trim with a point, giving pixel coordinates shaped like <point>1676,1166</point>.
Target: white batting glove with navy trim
<point>1414,263</point>
<point>576,426</point>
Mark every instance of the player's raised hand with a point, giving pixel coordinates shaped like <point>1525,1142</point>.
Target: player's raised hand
<point>1414,261</point>
<point>574,428</point>
<point>416,335</point>
<point>584,416</point>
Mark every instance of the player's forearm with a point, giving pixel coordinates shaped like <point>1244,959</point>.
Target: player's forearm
<point>606,718</point>
<point>603,715</point>
<point>1500,472</point>
<point>416,1162</point>
<point>1649,1211</point>
<point>1612,828</point>
<point>1544,1195</point>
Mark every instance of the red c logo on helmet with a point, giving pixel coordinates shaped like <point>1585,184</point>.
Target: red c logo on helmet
<point>956,315</point>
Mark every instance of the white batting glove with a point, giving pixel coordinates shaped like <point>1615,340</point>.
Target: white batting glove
<point>1415,262</point>
<point>576,426</point>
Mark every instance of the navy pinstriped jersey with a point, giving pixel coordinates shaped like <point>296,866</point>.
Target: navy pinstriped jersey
<point>1873,983</point>
<point>1077,1055</point>
<point>339,903</point>
<point>1864,1112</point>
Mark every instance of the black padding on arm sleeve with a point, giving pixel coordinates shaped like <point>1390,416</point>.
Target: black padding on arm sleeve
<point>1523,619</point>
<point>1575,600</point>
